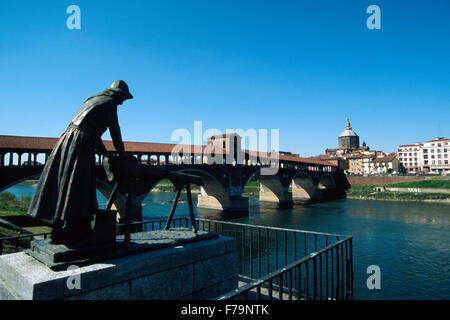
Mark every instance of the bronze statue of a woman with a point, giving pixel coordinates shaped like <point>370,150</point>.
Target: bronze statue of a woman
<point>66,192</point>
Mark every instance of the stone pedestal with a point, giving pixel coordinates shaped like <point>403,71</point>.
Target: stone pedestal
<point>203,269</point>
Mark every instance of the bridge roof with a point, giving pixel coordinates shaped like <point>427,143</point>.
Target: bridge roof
<point>268,155</point>
<point>42,144</point>
<point>45,144</point>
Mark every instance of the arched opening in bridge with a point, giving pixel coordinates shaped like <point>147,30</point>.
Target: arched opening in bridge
<point>252,186</point>
<point>21,191</point>
<point>214,196</point>
<point>156,205</point>
<point>327,182</point>
<point>266,190</point>
<point>15,199</point>
<point>22,159</point>
<point>303,188</point>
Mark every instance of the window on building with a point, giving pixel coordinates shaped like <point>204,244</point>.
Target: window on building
<point>439,144</point>
<point>432,161</point>
<point>425,162</point>
<point>432,150</point>
<point>446,161</point>
<point>432,156</point>
<point>425,150</point>
<point>439,161</point>
<point>438,156</point>
<point>438,150</point>
<point>425,156</point>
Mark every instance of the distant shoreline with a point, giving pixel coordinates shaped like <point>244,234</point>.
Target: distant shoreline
<point>445,201</point>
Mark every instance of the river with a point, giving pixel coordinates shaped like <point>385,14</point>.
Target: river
<point>409,241</point>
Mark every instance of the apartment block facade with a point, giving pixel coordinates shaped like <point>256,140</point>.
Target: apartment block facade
<point>428,157</point>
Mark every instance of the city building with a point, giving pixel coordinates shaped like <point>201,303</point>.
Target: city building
<point>348,144</point>
<point>348,139</point>
<point>354,163</point>
<point>428,157</point>
<point>410,157</point>
<point>386,164</point>
<point>360,160</point>
<point>435,155</point>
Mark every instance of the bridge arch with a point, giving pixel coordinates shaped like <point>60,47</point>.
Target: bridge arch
<point>326,182</point>
<point>273,190</point>
<point>18,180</point>
<point>303,187</point>
<point>213,194</point>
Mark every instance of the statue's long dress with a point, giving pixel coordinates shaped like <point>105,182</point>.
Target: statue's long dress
<point>67,188</point>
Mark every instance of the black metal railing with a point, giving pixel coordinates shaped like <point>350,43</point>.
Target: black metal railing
<point>279,263</point>
<point>274,263</point>
<point>19,242</point>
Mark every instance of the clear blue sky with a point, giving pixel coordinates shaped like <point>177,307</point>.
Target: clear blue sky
<point>298,66</point>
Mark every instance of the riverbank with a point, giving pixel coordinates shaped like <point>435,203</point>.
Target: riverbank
<point>432,190</point>
<point>390,180</point>
<point>444,201</point>
<point>14,219</point>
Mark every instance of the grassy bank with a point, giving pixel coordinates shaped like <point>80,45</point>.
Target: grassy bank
<point>432,184</point>
<point>251,188</point>
<point>14,211</point>
<point>167,186</point>
<point>368,192</point>
<point>28,183</point>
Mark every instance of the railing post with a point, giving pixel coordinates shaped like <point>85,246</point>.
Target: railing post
<point>314,278</point>
<point>351,269</point>
<point>243,248</point>
<point>259,252</point>
<point>251,253</point>
<point>326,274</point>
<point>320,278</point>
<point>268,250</point>
<point>342,270</point>
<point>337,273</point>
<point>280,287</point>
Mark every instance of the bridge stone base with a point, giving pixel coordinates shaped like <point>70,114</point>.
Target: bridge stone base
<point>200,270</point>
<point>269,196</point>
<point>235,204</point>
<point>300,195</point>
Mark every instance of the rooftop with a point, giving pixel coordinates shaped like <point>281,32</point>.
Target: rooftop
<point>438,139</point>
<point>387,158</point>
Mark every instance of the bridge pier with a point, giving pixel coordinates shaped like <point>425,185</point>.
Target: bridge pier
<point>272,190</point>
<point>222,202</point>
<point>304,189</point>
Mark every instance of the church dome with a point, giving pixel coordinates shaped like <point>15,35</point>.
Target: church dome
<point>348,132</point>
